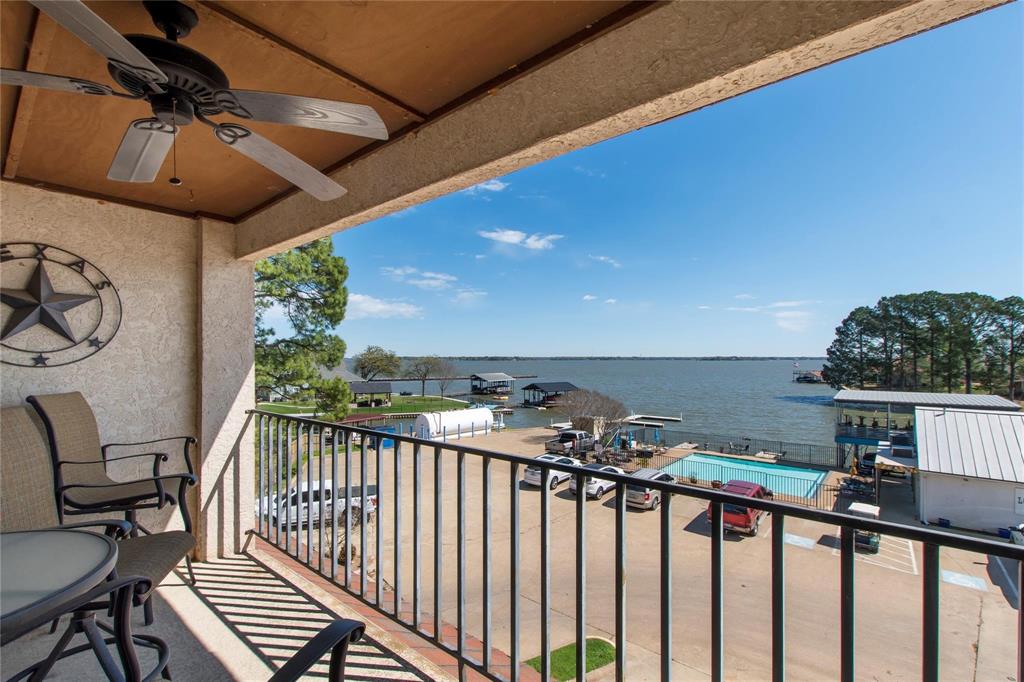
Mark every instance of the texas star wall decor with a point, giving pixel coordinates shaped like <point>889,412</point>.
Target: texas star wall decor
<point>58,308</point>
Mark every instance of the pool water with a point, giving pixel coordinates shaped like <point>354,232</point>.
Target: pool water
<point>779,478</point>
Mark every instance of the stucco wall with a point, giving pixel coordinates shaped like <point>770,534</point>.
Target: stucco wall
<point>143,384</point>
<point>969,502</point>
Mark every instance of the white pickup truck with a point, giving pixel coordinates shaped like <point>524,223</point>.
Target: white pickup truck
<point>570,441</point>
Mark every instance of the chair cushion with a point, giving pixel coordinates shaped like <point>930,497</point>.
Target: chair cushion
<point>26,478</point>
<point>121,494</point>
<point>153,556</point>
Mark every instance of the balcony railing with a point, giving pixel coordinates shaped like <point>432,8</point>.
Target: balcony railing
<point>287,443</point>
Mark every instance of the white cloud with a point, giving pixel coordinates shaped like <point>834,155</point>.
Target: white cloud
<point>589,172</point>
<point>494,185</point>
<point>589,297</point>
<point>469,296</point>
<point>606,259</point>
<point>744,297</point>
<point>534,242</point>
<point>703,307</point>
<point>789,304</point>
<point>480,256</point>
<point>793,320</point>
<point>537,242</point>
<point>431,281</point>
<point>397,273</point>
<point>784,313</point>
<point>611,301</point>
<point>363,306</point>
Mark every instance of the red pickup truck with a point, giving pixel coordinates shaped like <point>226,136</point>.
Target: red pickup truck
<point>738,518</point>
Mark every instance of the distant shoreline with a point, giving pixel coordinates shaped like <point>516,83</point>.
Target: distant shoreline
<point>714,358</point>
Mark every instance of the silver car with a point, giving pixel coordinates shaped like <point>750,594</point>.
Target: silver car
<point>597,487</point>
<point>533,474</point>
<point>639,495</point>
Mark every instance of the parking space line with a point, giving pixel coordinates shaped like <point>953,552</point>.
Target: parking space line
<point>964,580</point>
<point>799,541</point>
<point>895,554</point>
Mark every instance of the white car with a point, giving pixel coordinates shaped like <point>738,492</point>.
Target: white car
<point>298,510</point>
<point>597,487</point>
<point>533,473</point>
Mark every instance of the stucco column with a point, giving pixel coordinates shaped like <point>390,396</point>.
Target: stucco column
<point>226,389</point>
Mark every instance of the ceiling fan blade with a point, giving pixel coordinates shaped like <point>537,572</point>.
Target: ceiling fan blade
<point>308,112</point>
<point>51,82</point>
<point>280,160</point>
<point>101,36</point>
<point>143,149</point>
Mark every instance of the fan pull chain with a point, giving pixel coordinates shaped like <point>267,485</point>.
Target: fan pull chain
<point>175,180</point>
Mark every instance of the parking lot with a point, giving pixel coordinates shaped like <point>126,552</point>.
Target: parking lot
<point>978,595</point>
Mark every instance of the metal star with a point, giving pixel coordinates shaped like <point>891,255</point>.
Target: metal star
<point>40,359</point>
<point>95,342</point>
<point>39,304</point>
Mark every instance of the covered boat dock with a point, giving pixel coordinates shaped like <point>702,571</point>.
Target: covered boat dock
<point>546,393</point>
<point>491,383</point>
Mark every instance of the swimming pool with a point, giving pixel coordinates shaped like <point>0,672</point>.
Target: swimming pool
<point>779,478</point>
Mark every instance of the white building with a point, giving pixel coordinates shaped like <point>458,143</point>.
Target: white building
<point>971,467</point>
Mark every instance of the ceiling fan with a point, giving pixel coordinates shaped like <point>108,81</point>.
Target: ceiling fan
<point>181,86</point>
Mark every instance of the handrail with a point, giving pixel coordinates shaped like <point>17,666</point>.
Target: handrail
<point>922,534</point>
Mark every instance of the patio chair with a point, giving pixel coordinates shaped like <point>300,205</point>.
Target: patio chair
<point>26,475</point>
<point>80,480</point>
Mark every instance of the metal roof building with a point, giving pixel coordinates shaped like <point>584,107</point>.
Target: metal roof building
<point>972,443</point>
<point>915,399</point>
<point>370,387</point>
<point>339,372</point>
<point>551,387</point>
<point>492,376</point>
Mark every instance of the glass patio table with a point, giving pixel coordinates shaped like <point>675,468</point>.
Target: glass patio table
<point>43,573</point>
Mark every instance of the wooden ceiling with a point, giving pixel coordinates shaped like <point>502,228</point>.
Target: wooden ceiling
<point>411,61</point>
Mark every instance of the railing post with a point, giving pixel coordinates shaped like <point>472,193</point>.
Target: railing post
<point>261,422</point>
<point>301,500</point>
<point>486,497</point>
<point>438,545</point>
<point>397,503</point>
<point>620,579</point>
<point>323,507</point>
<point>666,585</point>
<point>460,554</point>
<point>378,545</point>
<point>513,646</point>
<point>416,535</point>
<point>581,576</point>
<point>717,594</point>
<point>309,496</point>
<point>846,578</point>
<point>363,515</point>
<point>778,597</point>
<point>930,614</point>
<point>545,577</point>
<point>348,509</point>
<point>334,503</point>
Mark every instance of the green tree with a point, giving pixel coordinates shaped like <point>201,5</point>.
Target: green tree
<point>306,287</point>
<point>333,397</point>
<point>849,356</point>
<point>376,361</point>
<point>423,369</point>
<point>1009,334</point>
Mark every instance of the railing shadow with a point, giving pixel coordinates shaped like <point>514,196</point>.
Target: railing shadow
<point>274,618</point>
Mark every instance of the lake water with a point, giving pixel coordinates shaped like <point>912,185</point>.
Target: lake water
<point>752,398</point>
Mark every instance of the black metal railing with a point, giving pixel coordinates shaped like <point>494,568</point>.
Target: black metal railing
<point>281,438</point>
<point>802,453</point>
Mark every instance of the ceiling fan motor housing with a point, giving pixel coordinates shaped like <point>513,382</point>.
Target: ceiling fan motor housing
<point>192,78</point>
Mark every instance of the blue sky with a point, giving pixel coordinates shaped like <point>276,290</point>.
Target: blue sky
<point>749,228</point>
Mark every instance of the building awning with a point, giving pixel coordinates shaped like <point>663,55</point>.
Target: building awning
<point>972,443</point>
<point>551,387</point>
<point>364,387</point>
<point>914,399</point>
<point>492,377</point>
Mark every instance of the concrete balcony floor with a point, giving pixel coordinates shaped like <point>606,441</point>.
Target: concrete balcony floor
<point>243,619</point>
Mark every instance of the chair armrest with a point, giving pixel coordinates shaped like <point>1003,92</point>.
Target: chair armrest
<point>160,457</point>
<point>115,529</point>
<point>334,638</point>
<point>187,442</point>
<point>189,478</point>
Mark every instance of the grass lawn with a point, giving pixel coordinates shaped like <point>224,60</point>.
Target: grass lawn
<point>414,403</point>
<point>399,403</point>
<point>563,659</point>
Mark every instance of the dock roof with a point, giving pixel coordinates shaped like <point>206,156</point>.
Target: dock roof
<point>974,443</point>
<point>953,400</point>
<point>492,377</point>
<point>339,372</point>
<point>364,387</point>
<point>551,387</point>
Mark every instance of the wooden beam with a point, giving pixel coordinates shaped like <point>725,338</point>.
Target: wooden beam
<point>279,43</point>
<point>38,55</point>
